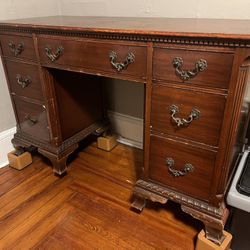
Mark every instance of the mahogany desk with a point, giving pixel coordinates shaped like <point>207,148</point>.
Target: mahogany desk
<point>195,77</point>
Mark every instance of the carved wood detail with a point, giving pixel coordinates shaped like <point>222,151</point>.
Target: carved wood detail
<point>161,194</point>
<point>213,226</point>
<point>130,37</point>
<point>25,140</point>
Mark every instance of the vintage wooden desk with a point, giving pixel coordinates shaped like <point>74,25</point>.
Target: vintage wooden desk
<point>195,77</point>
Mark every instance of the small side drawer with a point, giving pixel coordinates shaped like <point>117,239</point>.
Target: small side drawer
<point>32,119</point>
<point>102,57</point>
<point>18,47</point>
<point>202,68</point>
<point>24,80</point>
<point>203,126</point>
<point>169,158</point>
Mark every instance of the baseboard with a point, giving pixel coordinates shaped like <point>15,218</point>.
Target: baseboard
<point>6,145</point>
<point>129,128</point>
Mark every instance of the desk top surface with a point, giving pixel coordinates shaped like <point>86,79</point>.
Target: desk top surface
<point>214,28</point>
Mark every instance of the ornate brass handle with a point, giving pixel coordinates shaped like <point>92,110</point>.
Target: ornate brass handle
<point>32,120</point>
<point>23,82</point>
<point>16,49</point>
<point>184,75</point>
<point>188,168</point>
<point>195,114</point>
<point>122,65</point>
<point>53,56</point>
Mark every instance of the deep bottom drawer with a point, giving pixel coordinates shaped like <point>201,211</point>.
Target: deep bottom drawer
<point>181,167</point>
<point>32,119</point>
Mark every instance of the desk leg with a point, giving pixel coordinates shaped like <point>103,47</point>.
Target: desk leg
<point>59,161</point>
<point>213,226</point>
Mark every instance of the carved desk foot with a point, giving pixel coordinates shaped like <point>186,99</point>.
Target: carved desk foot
<point>139,203</point>
<point>59,161</point>
<point>214,218</point>
<point>213,225</point>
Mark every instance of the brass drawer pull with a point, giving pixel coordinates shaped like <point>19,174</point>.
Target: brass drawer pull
<point>195,114</point>
<point>184,75</point>
<point>32,120</point>
<point>122,65</point>
<point>188,168</point>
<point>53,56</point>
<point>16,49</point>
<point>23,82</point>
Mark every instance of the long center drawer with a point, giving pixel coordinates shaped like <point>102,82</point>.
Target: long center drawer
<point>102,57</point>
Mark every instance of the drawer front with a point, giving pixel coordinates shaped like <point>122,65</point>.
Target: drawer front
<point>24,79</point>
<point>127,60</point>
<point>32,119</point>
<point>18,47</point>
<point>170,165</point>
<point>203,114</point>
<point>195,67</point>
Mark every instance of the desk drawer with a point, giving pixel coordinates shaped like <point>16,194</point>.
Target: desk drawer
<point>32,119</point>
<point>18,47</point>
<point>206,110</point>
<point>169,158</point>
<point>202,68</point>
<point>128,59</point>
<point>24,79</point>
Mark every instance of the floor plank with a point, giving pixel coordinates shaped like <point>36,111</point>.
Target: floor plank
<point>89,208</point>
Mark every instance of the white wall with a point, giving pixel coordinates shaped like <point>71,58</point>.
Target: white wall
<point>12,9</point>
<point>159,8</point>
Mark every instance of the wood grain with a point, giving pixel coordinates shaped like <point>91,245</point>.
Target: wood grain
<point>88,208</point>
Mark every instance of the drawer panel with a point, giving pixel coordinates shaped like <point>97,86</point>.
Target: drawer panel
<point>197,182</point>
<point>94,56</point>
<point>205,129</point>
<point>216,75</point>
<point>32,119</point>
<point>24,79</point>
<point>18,47</point>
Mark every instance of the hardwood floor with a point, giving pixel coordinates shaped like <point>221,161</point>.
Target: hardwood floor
<point>89,208</point>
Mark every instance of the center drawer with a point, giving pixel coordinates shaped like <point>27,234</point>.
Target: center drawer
<point>182,167</point>
<point>101,57</point>
<point>189,114</point>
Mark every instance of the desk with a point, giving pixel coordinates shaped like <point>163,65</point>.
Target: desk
<point>195,76</point>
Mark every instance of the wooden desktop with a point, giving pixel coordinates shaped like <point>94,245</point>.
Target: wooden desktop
<point>195,77</point>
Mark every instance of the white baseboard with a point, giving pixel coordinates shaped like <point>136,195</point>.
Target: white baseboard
<point>129,129</point>
<point>6,145</point>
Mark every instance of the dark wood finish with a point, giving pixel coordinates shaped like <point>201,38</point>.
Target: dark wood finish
<point>196,183</point>
<point>94,55</point>
<point>26,71</point>
<point>88,208</point>
<point>32,119</point>
<point>74,108</point>
<point>214,76</point>
<point>28,46</point>
<point>79,100</point>
<point>206,129</point>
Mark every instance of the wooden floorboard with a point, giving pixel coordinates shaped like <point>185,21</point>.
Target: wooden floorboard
<point>89,208</point>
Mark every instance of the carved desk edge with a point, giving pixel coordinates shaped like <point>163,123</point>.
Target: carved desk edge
<point>168,38</point>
